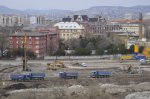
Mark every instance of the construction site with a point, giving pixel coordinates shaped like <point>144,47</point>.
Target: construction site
<point>128,78</point>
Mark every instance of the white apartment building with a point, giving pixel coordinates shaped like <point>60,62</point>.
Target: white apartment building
<point>6,20</point>
<point>69,30</point>
<point>37,20</point>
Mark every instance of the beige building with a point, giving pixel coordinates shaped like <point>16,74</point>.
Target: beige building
<point>70,30</point>
<point>132,28</point>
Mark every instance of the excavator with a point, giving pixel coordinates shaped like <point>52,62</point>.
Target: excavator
<point>55,65</point>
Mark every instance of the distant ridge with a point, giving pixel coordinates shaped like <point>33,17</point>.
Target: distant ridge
<point>106,11</point>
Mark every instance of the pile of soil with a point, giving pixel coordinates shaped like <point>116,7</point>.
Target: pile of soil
<point>16,86</point>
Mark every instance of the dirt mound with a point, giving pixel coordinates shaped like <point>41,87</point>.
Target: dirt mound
<point>16,86</point>
<point>139,95</point>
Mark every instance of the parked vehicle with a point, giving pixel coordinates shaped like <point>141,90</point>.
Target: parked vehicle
<point>101,74</point>
<point>139,57</point>
<point>18,77</point>
<point>144,62</point>
<point>24,77</point>
<point>68,75</point>
<point>37,76</point>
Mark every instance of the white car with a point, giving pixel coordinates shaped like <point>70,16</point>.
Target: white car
<point>84,64</point>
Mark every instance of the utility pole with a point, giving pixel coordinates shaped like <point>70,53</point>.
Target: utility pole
<point>25,54</point>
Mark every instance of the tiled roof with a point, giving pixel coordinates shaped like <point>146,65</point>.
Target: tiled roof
<point>28,34</point>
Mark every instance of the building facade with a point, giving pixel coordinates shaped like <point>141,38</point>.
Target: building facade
<point>39,20</point>
<point>6,20</point>
<point>36,42</point>
<point>70,30</point>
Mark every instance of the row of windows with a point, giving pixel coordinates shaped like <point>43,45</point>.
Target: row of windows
<point>21,46</point>
<point>105,28</point>
<point>68,30</point>
<point>68,26</point>
<point>23,38</point>
<point>21,42</point>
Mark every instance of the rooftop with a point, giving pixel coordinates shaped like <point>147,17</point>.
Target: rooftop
<point>28,34</point>
<point>69,25</point>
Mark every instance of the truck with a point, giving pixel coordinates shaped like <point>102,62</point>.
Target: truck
<point>68,75</point>
<point>100,74</point>
<point>25,77</point>
<point>139,57</point>
<point>19,77</point>
<point>37,76</point>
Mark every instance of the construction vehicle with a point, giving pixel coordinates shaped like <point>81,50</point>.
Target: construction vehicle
<point>68,75</point>
<point>132,69</point>
<point>27,77</point>
<point>55,65</point>
<point>126,57</point>
<point>101,74</point>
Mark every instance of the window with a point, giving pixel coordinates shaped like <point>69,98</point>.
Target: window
<point>21,46</point>
<point>37,38</point>
<point>36,46</point>
<point>11,46</point>
<point>30,42</point>
<point>30,37</point>
<point>37,51</point>
<point>37,42</point>
<point>17,42</point>
<point>10,42</point>
<point>30,46</point>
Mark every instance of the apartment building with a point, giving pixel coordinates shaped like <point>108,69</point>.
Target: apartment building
<point>70,30</point>
<point>7,20</point>
<point>39,20</point>
<point>36,42</point>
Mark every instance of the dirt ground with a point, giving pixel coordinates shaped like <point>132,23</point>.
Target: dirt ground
<point>118,86</point>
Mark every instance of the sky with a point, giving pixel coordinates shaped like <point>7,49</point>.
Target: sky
<point>68,4</point>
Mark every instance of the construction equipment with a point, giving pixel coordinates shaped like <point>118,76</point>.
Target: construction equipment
<point>132,69</point>
<point>101,74</point>
<point>126,57</point>
<point>68,75</point>
<point>55,65</point>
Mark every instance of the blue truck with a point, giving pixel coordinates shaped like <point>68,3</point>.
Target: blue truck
<point>68,75</point>
<point>101,74</point>
<point>37,76</point>
<point>25,77</point>
<point>139,57</point>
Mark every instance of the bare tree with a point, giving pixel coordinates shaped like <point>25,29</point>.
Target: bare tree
<point>3,42</point>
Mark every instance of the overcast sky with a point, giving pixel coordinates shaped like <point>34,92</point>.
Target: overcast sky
<point>68,4</point>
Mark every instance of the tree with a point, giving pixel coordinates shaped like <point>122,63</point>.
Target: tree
<point>141,48</point>
<point>3,43</point>
<point>100,51</point>
<point>83,42</point>
<point>131,50</point>
<point>90,46</point>
<point>82,51</point>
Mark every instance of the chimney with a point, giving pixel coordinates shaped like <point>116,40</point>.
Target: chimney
<point>140,25</point>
